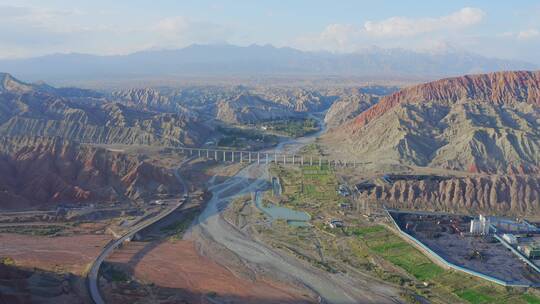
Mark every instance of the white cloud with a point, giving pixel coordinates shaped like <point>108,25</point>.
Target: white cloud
<point>340,35</point>
<point>411,33</point>
<point>37,17</point>
<point>32,31</point>
<point>180,31</point>
<point>402,26</point>
<point>528,34</point>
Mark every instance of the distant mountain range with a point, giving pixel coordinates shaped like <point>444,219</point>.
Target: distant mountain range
<point>255,60</point>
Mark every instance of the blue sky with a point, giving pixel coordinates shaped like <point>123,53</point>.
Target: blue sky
<point>505,29</point>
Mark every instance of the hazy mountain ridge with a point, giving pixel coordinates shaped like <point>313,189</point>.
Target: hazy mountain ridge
<point>29,110</point>
<point>228,60</point>
<point>234,104</point>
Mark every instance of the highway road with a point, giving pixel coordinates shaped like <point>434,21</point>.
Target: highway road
<point>93,274</point>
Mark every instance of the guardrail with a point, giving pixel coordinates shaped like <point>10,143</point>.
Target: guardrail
<point>93,274</point>
<point>452,265</point>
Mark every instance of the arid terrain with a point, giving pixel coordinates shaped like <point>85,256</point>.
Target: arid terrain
<point>83,169</point>
<point>481,129</point>
<point>263,152</point>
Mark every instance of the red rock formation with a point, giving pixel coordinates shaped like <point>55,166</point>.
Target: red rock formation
<point>499,87</point>
<point>43,171</point>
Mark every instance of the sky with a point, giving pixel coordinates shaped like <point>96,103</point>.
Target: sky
<point>496,28</point>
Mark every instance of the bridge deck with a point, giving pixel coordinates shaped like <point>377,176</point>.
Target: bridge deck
<point>242,156</point>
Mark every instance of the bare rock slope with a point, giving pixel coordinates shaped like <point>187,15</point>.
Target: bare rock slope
<point>501,194</point>
<point>40,171</point>
<point>30,110</point>
<point>347,107</point>
<point>481,123</point>
<point>486,127</point>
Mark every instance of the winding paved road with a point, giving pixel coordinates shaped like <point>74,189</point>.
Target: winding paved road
<point>93,274</point>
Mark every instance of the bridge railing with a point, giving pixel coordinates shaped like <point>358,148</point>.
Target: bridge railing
<point>241,156</point>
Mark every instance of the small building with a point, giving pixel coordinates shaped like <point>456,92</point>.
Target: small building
<point>510,238</point>
<point>532,251</point>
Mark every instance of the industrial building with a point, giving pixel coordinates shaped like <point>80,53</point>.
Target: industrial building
<point>480,226</point>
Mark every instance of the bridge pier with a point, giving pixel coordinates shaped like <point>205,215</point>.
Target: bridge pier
<point>215,155</point>
<point>199,153</point>
<point>258,158</point>
<point>311,160</point>
<point>191,152</point>
<point>207,153</point>
<point>284,159</point>
<point>241,157</point>
<point>249,157</point>
<point>232,156</point>
<point>267,158</point>
<point>275,158</point>
<point>320,163</point>
<point>293,159</point>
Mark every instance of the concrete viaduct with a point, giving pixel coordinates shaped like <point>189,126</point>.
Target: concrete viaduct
<point>266,157</point>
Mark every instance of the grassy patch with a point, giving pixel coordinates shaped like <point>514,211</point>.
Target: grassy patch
<point>385,248</point>
<point>475,297</point>
<point>398,252</point>
<point>366,230</point>
<point>34,230</point>
<point>7,261</point>
<point>293,127</point>
<point>238,138</point>
<point>530,299</point>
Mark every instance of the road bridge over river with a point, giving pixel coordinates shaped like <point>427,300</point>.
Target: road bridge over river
<point>265,157</point>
